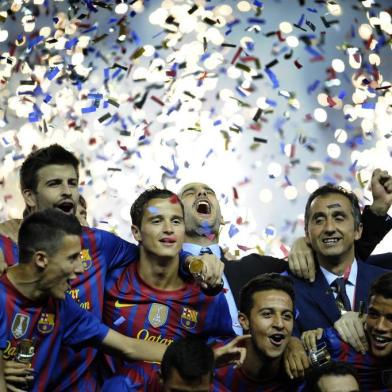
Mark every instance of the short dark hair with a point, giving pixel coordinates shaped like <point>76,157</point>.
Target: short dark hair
<point>331,188</point>
<point>82,201</point>
<point>329,369</point>
<point>190,356</point>
<point>44,230</point>
<point>382,286</point>
<point>264,282</point>
<point>52,155</point>
<point>138,206</point>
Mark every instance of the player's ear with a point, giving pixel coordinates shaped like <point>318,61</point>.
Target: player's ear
<point>244,321</point>
<point>40,259</point>
<point>29,198</point>
<point>136,233</point>
<point>358,232</point>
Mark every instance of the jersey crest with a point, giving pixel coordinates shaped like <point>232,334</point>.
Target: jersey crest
<point>157,316</point>
<point>19,325</point>
<point>46,323</point>
<point>189,318</point>
<point>86,259</point>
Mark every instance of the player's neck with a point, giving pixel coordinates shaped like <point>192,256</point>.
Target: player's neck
<point>202,240</point>
<point>257,368</point>
<point>160,273</point>
<point>338,264</point>
<point>26,281</point>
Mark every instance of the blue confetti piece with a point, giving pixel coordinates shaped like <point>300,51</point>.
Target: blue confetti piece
<point>106,74</point>
<point>209,153</point>
<point>217,122</point>
<point>288,181</point>
<point>301,20</point>
<point>105,104</point>
<point>312,51</point>
<point>258,3</point>
<point>227,32</point>
<point>34,116</point>
<point>256,21</point>
<point>312,10</point>
<point>136,38</point>
<point>152,210</point>
<point>112,20</point>
<point>369,105</point>
<point>94,96</point>
<point>89,109</point>
<point>233,23</point>
<point>269,231</point>
<point>273,78</point>
<point>71,43</point>
<point>47,98</point>
<point>342,94</point>
<point>119,321</point>
<point>89,30</point>
<point>52,73</point>
<point>313,87</point>
<point>116,72</point>
<point>233,231</point>
<point>35,41</point>
<point>271,102</point>
<point>352,167</point>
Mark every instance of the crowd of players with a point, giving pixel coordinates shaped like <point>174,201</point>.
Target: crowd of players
<point>84,310</point>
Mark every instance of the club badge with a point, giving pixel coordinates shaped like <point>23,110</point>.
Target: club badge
<point>86,259</point>
<point>46,323</point>
<point>189,318</point>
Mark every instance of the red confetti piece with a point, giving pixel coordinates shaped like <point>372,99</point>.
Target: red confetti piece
<point>331,102</point>
<point>174,199</point>
<point>298,64</point>
<point>157,100</point>
<point>237,54</point>
<point>280,36</point>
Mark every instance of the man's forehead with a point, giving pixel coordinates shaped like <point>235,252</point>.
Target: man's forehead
<point>194,185</point>
<point>159,206</point>
<point>331,201</point>
<point>269,298</point>
<point>57,170</point>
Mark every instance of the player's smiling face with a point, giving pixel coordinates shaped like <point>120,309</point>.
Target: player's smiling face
<point>331,231</point>
<point>379,326</point>
<point>62,267</point>
<point>270,322</point>
<point>202,210</point>
<point>162,228</point>
<point>57,187</point>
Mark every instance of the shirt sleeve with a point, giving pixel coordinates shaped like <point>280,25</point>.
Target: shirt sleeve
<point>374,229</point>
<point>222,324</point>
<point>81,328</point>
<point>116,250</point>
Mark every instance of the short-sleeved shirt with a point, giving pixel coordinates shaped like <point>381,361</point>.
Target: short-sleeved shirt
<point>49,324</point>
<point>137,310</point>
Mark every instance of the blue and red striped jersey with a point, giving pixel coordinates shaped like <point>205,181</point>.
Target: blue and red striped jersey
<point>135,309</point>
<point>138,377</point>
<point>101,252</point>
<point>9,249</point>
<point>48,324</point>
<point>375,374</point>
<point>228,379</point>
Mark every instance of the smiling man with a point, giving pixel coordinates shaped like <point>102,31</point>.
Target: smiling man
<point>375,367</point>
<point>332,225</point>
<point>149,300</point>
<point>266,312</point>
<point>40,317</point>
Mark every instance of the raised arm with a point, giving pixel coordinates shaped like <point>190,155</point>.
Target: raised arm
<point>375,220</point>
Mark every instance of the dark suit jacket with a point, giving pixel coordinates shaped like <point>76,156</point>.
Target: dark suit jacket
<point>316,304</point>
<point>240,272</point>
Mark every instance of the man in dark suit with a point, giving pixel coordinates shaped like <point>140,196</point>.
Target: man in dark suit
<point>202,222</point>
<point>332,225</point>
